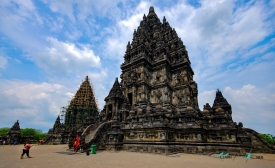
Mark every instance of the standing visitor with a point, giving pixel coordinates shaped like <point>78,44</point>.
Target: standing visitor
<point>26,150</point>
<point>75,146</point>
<point>14,143</point>
<point>76,143</point>
<point>4,143</point>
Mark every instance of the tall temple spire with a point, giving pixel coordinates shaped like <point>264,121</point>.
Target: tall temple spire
<point>82,106</point>
<point>156,59</point>
<point>220,101</point>
<point>144,17</point>
<point>84,95</point>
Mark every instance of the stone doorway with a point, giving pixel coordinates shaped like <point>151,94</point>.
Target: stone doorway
<point>109,112</point>
<point>130,98</point>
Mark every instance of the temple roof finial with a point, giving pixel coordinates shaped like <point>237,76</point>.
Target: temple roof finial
<point>151,9</point>
<point>152,12</point>
<point>164,20</point>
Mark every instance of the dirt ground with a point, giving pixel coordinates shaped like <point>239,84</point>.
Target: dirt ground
<point>51,156</point>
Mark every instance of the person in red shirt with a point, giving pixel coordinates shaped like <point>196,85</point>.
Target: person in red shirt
<point>76,143</point>
<point>75,146</point>
<point>40,141</point>
<point>26,150</point>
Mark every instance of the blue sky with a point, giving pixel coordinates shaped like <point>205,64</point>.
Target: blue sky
<point>47,48</point>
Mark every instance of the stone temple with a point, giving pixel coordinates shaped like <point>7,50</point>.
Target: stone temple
<point>154,109</point>
<point>81,112</point>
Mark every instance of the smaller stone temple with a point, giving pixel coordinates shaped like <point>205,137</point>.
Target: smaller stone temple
<point>56,135</point>
<point>81,112</point>
<point>14,134</point>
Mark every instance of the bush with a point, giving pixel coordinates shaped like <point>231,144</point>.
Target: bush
<point>35,133</point>
<point>4,131</point>
<point>269,138</point>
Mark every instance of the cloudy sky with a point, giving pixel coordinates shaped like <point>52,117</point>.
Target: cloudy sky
<point>47,48</point>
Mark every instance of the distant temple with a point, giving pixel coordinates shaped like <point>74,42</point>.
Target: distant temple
<point>14,135</point>
<point>154,109</point>
<point>81,112</point>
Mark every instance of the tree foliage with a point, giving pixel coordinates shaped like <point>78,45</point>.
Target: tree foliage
<point>35,133</point>
<point>269,138</point>
<point>4,131</point>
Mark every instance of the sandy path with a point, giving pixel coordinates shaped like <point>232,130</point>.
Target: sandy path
<point>51,156</point>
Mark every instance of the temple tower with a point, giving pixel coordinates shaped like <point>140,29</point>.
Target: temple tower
<point>157,79</point>
<point>113,101</point>
<point>155,107</point>
<point>14,133</point>
<point>82,107</point>
<point>156,66</point>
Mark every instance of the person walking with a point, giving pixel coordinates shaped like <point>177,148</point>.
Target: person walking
<point>26,150</point>
<point>4,143</point>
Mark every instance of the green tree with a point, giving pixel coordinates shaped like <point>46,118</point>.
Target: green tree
<point>40,134</point>
<point>3,131</point>
<point>269,138</point>
<point>35,133</point>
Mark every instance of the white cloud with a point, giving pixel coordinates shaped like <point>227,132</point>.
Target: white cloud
<point>207,96</point>
<point>3,62</point>
<point>253,106</point>
<point>122,32</point>
<point>32,103</point>
<point>20,10</point>
<point>76,10</point>
<point>50,54</point>
<point>64,7</point>
<point>55,24</point>
<point>65,58</point>
<point>73,34</point>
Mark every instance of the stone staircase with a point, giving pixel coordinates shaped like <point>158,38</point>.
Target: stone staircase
<point>259,143</point>
<point>94,134</point>
<point>92,131</point>
<point>89,132</point>
<point>47,139</point>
